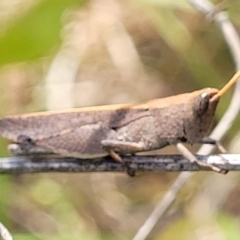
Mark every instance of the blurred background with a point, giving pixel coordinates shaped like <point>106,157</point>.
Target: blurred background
<point>73,53</point>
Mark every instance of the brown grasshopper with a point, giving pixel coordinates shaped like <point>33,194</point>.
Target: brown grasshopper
<point>92,132</point>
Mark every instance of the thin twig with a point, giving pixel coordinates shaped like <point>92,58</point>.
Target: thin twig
<point>232,39</point>
<point>22,165</point>
<point>4,233</point>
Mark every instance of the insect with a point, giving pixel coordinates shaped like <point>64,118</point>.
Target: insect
<point>92,132</point>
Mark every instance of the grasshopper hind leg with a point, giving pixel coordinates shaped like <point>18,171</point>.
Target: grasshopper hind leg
<point>26,147</point>
<point>16,149</point>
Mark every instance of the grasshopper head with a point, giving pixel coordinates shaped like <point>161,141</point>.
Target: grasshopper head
<point>201,114</point>
<point>203,107</point>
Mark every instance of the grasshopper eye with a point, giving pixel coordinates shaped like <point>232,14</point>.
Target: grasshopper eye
<point>201,104</point>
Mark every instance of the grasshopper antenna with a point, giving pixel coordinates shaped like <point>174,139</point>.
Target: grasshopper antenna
<point>226,87</point>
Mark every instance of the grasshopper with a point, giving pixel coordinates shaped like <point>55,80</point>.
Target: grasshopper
<point>93,132</point>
